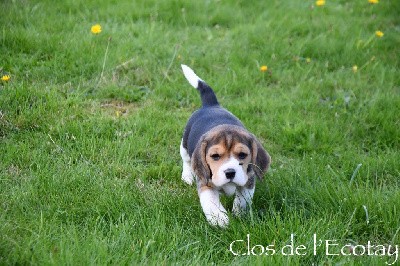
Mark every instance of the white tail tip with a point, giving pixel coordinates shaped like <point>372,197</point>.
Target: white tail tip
<point>191,76</point>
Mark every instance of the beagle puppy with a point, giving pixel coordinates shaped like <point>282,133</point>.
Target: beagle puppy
<point>221,154</point>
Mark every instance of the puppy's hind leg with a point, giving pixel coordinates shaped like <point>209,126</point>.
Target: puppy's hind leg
<point>187,175</point>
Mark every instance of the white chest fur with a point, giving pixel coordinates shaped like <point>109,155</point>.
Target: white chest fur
<point>229,189</point>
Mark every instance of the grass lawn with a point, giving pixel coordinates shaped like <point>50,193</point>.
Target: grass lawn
<point>90,127</point>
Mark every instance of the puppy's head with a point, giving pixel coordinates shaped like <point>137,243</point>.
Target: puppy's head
<point>229,154</point>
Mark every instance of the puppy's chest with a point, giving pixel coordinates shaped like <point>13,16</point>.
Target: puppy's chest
<point>229,189</point>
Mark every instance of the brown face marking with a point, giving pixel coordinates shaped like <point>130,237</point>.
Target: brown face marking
<point>216,156</point>
<point>226,143</point>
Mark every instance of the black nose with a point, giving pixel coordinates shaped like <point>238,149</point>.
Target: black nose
<point>230,173</point>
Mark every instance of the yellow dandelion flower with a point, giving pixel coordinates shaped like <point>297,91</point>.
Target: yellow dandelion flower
<point>379,34</point>
<point>96,29</point>
<point>5,78</point>
<point>308,60</point>
<point>263,68</point>
<point>373,1</point>
<point>355,68</point>
<point>320,3</point>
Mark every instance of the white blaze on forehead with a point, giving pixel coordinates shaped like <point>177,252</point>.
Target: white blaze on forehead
<point>231,163</point>
<point>191,76</point>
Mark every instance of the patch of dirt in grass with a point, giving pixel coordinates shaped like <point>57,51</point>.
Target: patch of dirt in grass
<point>118,108</point>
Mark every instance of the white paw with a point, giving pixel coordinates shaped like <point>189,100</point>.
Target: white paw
<point>187,177</point>
<point>212,207</point>
<point>219,219</point>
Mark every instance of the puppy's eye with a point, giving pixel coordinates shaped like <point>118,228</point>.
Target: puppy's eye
<point>215,156</point>
<point>242,155</point>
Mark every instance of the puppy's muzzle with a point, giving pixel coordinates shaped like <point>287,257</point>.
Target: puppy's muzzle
<point>230,173</point>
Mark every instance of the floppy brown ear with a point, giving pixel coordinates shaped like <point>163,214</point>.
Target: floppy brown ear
<point>199,163</point>
<point>260,159</point>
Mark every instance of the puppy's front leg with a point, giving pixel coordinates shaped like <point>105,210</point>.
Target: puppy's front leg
<point>212,207</point>
<point>243,199</point>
